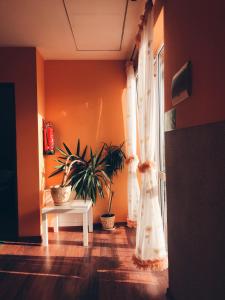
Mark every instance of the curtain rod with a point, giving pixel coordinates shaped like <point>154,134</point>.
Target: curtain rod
<point>143,18</point>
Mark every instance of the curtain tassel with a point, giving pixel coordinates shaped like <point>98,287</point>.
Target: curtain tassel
<point>153,265</point>
<point>131,223</point>
<point>145,166</point>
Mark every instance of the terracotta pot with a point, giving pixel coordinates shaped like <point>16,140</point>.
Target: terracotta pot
<point>60,195</point>
<point>108,221</point>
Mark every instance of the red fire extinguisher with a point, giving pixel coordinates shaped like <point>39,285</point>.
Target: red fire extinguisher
<point>48,138</point>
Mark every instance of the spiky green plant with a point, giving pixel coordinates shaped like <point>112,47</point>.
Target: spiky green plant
<point>69,161</point>
<point>90,179</point>
<point>87,177</point>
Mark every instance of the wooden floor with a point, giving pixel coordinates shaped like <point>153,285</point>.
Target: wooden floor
<point>66,270</point>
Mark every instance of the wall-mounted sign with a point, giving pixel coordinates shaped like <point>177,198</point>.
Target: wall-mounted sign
<point>182,84</point>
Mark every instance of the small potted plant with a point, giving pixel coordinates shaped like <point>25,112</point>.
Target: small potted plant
<point>113,162</point>
<point>67,162</point>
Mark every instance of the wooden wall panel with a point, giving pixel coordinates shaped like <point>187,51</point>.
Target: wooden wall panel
<point>195,164</point>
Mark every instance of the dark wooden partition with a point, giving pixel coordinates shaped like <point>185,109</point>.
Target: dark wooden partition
<point>195,166</point>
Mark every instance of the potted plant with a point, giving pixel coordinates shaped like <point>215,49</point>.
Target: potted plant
<point>89,179</point>
<point>86,177</point>
<point>113,162</point>
<point>67,162</point>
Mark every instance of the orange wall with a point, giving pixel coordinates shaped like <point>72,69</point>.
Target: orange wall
<point>195,31</point>
<point>84,100</point>
<point>40,83</point>
<point>18,65</point>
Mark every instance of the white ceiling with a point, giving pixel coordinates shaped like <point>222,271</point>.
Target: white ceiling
<point>72,29</point>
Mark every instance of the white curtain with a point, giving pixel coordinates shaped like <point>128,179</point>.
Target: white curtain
<point>132,160</point>
<point>150,249</point>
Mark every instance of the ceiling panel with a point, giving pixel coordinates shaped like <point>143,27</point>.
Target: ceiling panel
<point>92,22</point>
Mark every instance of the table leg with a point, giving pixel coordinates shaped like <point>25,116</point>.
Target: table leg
<point>45,229</point>
<point>85,229</point>
<point>90,219</point>
<point>56,223</point>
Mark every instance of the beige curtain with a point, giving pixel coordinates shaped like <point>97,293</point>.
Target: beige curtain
<point>132,160</point>
<point>150,242</point>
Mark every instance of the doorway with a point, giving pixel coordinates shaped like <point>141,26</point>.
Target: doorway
<point>8,162</point>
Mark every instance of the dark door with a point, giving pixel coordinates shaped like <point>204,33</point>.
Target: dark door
<point>8,174</point>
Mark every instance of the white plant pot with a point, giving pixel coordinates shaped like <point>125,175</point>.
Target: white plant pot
<point>60,195</point>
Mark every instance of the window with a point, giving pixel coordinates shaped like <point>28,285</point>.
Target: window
<point>161,135</point>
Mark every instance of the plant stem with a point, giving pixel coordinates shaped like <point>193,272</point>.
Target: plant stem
<point>111,193</point>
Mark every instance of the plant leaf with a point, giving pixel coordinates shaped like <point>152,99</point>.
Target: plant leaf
<point>56,172</point>
<point>78,147</point>
<point>67,149</point>
<point>91,153</point>
<point>59,161</point>
<point>61,151</point>
<point>58,167</point>
<point>100,154</point>
<point>106,176</point>
<point>84,152</point>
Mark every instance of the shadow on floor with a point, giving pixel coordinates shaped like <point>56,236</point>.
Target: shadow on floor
<point>94,278</point>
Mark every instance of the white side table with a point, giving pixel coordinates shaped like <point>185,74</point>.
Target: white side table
<point>74,207</point>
